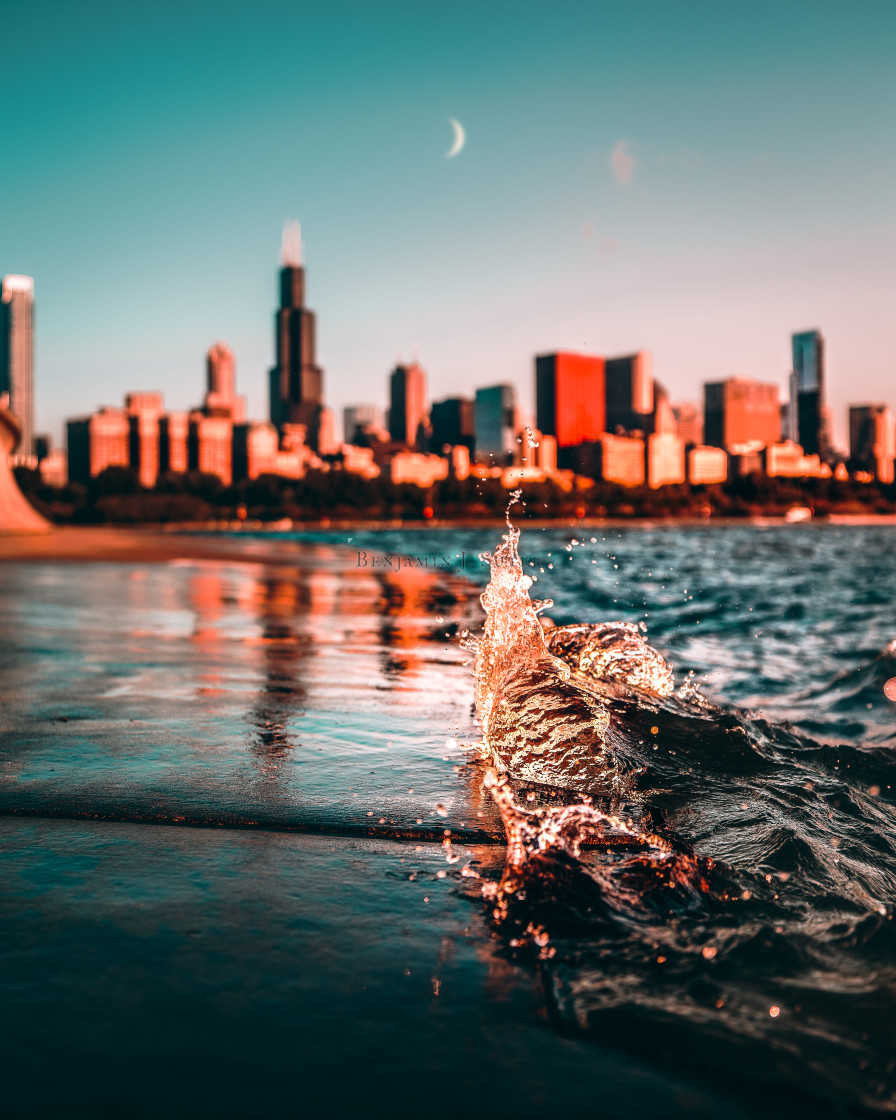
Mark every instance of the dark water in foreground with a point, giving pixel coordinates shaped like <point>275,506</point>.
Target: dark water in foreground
<point>741,962</point>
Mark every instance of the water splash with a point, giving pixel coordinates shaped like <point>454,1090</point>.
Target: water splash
<point>542,696</point>
<point>539,724</point>
<point>768,944</point>
<point>544,702</point>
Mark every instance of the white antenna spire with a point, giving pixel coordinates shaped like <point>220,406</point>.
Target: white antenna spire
<point>291,251</point>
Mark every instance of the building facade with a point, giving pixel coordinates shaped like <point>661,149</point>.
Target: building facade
<point>689,418</point>
<point>17,356</point>
<point>494,418</point>
<point>706,466</point>
<point>629,392</point>
<point>611,458</point>
<point>872,440</point>
<point>664,460</point>
<point>570,400</point>
<point>452,423</point>
<point>97,442</point>
<point>221,397</point>
<point>807,414</point>
<point>173,431</point>
<point>143,412</point>
<point>408,412</point>
<point>210,446</point>
<point>740,411</point>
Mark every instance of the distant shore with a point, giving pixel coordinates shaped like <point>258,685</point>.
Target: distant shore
<point>138,546</point>
<point>221,540</point>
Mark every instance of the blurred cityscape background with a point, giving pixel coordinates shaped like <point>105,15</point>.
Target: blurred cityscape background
<point>646,247</point>
<point>598,419</point>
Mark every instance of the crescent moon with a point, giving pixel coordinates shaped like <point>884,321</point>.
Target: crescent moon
<point>460,138</point>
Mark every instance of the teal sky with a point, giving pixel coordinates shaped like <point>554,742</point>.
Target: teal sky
<point>697,179</point>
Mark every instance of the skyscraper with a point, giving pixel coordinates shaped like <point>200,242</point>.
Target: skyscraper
<point>452,423</point>
<point>17,354</point>
<point>407,404</point>
<point>629,382</point>
<point>570,400</point>
<point>807,415</point>
<point>495,421</point>
<point>296,381</point>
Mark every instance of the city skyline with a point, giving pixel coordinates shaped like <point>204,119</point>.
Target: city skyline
<point>703,193</point>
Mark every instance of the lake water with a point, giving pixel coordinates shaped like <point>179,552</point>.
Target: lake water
<point>227,789</point>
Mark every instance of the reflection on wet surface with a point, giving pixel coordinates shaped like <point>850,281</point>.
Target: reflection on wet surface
<point>309,695</point>
<point>212,973</point>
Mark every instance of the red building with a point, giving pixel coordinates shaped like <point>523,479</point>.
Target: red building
<point>740,411</point>
<point>570,398</point>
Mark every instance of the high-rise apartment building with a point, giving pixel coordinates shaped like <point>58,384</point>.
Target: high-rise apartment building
<point>495,423</point>
<point>17,355</point>
<point>408,419</point>
<point>808,423</point>
<point>296,381</point>
<point>629,392</point>
<point>570,400</point>
<point>872,439</point>
<point>740,411</point>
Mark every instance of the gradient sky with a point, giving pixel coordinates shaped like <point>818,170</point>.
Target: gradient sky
<point>696,179</point>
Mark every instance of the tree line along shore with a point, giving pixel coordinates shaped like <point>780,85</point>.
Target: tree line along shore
<point>115,497</point>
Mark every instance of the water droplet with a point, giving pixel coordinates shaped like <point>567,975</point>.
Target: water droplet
<point>890,689</point>
<point>774,1011</point>
<point>709,951</point>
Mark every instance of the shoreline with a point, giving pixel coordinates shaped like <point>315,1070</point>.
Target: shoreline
<point>220,541</point>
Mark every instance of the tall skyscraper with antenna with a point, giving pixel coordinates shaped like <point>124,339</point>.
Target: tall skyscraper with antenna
<point>296,381</point>
<point>17,354</point>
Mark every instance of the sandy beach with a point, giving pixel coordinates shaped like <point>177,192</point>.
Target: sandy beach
<point>135,546</point>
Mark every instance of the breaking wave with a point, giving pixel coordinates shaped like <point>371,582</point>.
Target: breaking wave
<point>715,888</point>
